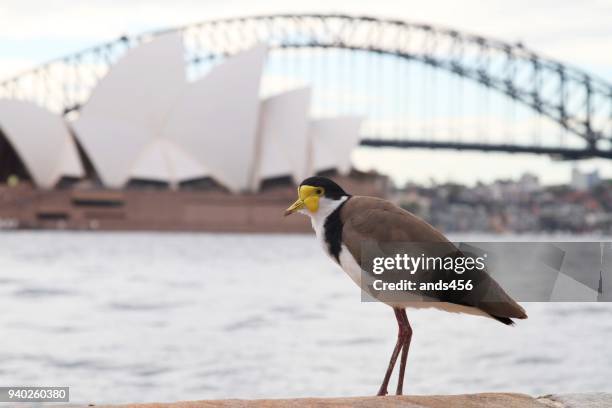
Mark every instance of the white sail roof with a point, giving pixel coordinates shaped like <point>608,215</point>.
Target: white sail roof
<point>332,141</point>
<point>145,121</point>
<point>128,107</point>
<point>283,136</point>
<point>42,141</point>
<point>163,160</point>
<point>216,118</point>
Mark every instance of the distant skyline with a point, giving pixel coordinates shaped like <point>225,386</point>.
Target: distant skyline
<point>578,33</point>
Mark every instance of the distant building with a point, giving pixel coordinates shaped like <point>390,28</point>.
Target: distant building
<point>522,205</point>
<point>529,183</point>
<point>584,181</point>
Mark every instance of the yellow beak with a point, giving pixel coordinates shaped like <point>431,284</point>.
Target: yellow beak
<point>298,205</point>
<point>307,198</point>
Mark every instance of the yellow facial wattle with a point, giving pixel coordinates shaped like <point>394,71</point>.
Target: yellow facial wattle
<point>308,197</point>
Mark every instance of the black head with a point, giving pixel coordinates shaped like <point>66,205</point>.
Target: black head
<point>331,190</point>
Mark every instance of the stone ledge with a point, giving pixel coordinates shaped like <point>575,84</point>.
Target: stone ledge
<point>485,400</point>
<point>587,400</point>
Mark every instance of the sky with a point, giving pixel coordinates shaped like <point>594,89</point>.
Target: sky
<point>576,32</point>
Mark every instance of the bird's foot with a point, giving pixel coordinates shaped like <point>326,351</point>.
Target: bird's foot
<point>382,392</point>
<point>400,388</point>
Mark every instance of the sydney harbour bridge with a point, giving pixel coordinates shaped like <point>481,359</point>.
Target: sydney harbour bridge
<point>416,85</point>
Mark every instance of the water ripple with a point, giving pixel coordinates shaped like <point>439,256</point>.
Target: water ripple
<point>41,292</point>
<point>350,342</point>
<point>533,360</point>
<point>249,323</point>
<point>127,306</point>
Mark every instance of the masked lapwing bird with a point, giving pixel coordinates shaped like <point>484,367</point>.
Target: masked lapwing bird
<point>342,223</point>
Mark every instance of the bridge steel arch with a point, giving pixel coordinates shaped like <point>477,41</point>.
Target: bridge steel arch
<point>577,101</point>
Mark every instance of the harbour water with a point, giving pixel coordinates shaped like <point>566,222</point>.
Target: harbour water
<point>131,317</point>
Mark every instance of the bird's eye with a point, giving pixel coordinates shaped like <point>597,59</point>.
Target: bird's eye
<point>319,191</point>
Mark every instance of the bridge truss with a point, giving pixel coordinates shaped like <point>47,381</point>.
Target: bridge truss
<point>358,57</point>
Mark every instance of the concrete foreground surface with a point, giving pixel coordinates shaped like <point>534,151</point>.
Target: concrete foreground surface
<point>486,400</point>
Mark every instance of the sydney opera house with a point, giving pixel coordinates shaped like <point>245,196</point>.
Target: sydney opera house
<point>151,149</point>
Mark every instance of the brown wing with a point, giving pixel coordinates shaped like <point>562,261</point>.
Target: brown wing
<point>369,218</point>
<point>373,219</point>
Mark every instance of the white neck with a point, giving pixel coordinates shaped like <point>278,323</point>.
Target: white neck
<point>326,207</point>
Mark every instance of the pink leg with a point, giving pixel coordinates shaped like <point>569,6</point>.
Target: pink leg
<point>407,335</point>
<point>404,333</point>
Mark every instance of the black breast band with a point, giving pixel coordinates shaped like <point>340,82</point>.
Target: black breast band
<point>333,232</point>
